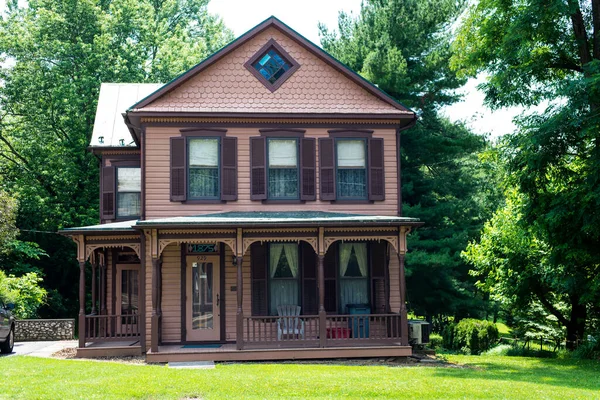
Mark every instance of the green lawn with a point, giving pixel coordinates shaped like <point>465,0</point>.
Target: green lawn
<point>481,377</point>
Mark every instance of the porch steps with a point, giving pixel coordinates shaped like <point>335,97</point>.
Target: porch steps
<point>192,364</point>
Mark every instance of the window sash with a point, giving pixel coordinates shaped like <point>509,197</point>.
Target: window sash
<point>204,168</point>
<point>285,290</point>
<point>351,153</point>
<point>283,171</point>
<point>129,204</point>
<point>129,179</point>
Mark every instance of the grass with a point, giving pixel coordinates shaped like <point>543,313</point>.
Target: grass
<point>481,377</point>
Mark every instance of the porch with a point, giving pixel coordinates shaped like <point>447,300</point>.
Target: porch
<point>206,288</point>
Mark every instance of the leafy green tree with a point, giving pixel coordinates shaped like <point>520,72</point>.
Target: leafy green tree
<point>535,52</point>
<point>404,46</point>
<point>56,54</point>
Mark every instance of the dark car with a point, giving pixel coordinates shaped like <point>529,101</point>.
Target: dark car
<point>7,328</point>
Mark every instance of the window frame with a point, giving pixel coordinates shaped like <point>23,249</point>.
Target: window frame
<point>365,140</point>
<point>298,277</point>
<point>297,140</point>
<point>188,138</point>
<point>117,192</point>
<point>339,278</point>
<point>272,45</point>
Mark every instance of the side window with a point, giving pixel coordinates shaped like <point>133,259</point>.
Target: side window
<point>351,168</point>
<point>284,276</point>
<point>203,171</point>
<point>129,192</point>
<point>354,274</point>
<point>282,168</point>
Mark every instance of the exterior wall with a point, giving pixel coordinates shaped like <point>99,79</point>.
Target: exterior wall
<point>171,294</point>
<point>158,204</point>
<point>227,86</point>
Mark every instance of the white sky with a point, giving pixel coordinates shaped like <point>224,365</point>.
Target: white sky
<point>304,16</point>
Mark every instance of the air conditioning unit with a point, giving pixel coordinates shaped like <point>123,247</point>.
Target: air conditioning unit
<point>418,331</point>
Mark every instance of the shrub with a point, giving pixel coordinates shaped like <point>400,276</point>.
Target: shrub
<point>471,336</point>
<point>435,341</point>
<point>24,291</point>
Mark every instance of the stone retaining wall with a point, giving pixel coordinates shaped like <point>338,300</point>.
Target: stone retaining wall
<point>44,329</point>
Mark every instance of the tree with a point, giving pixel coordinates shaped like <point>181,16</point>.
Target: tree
<point>56,53</point>
<point>535,52</point>
<point>404,47</point>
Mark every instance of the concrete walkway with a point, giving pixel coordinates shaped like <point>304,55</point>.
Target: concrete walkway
<point>41,349</point>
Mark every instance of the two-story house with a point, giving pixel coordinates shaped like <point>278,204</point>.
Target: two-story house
<point>250,209</point>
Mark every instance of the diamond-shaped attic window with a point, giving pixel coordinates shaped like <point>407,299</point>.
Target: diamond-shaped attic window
<point>272,65</point>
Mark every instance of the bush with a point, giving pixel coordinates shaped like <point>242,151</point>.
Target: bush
<point>470,336</point>
<point>24,291</point>
<point>435,341</point>
<point>587,350</point>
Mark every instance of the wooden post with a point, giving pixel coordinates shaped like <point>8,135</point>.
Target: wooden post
<point>155,320</point>
<point>103,284</point>
<point>239,333</point>
<point>94,284</point>
<point>403,313</point>
<point>322,313</point>
<point>81,304</point>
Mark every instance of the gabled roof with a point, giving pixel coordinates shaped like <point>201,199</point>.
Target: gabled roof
<point>109,128</point>
<point>394,106</point>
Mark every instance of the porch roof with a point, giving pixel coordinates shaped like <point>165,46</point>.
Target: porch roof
<point>278,218</point>
<point>121,226</point>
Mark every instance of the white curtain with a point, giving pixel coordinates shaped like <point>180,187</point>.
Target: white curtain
<point>275,251</point>
<point>129,179</point>
<point>353,291</point>
<point>351,153</point>
<point>283,292</point>
<point>291,252</point>
<point>283,153</point>
<point>360,250</point>
<point>204,152</point>
<point>345,252</point>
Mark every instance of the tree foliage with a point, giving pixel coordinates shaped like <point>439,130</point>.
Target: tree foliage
<point>404,47</point>
<point>535,52</point>
<point>55,55</point>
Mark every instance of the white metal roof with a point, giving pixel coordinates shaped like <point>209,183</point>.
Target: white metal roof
<point>114,100</point>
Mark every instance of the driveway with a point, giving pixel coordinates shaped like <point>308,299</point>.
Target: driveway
<point>41,349</point>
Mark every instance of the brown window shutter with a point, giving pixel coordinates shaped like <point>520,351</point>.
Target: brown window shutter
<point>310,294</point>
<point>327,168</point>
<point>331,273</point>
<point>229,168</point>
<point>258,274</point>
<point>108,192</point>
<point>258,168</point>
<point>308,190</point>
<point>178,169</point>
<point>376,176</point>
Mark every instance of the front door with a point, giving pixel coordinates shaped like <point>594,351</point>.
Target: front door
<point>203,319</point>
<point>128,290</point>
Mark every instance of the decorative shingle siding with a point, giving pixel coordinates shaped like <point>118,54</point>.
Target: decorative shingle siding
<point>227,86</point>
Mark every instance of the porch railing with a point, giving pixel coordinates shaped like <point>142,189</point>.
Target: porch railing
<point>305,330</point>
<point>103,328</point>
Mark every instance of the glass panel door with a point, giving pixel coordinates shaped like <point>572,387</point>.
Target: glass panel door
<point>127,299</point>
<point>203,319</point>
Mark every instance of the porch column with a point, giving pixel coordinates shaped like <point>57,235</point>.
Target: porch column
<point>94,284</point>
<point>103,284</point>
<point>403,313</point>
<point>81,304</point>
<point>155,319</point>
<point>322,313</point>
<point>239,333</point>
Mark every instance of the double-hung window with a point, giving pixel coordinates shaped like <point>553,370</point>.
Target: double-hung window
<point>129,192</point>
<point>282,168</point>
<point>203,171</point>
<point>284,276</point>
<point>354,274</point>
<point>351,169</point>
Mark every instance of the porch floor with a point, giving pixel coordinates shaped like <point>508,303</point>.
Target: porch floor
<point>228,352</point>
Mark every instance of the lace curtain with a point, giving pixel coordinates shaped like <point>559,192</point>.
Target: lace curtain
<point>353,289</point>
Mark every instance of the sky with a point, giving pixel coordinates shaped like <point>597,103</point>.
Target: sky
<point>304,17</point>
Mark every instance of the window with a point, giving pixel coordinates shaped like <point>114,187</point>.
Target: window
<point>129,192</point>
<point>203,169</point>
<point>283,276</point>
<point>351,163</point>
<point>283,168</point>
<point>354,280</point>
<point>272,65</point>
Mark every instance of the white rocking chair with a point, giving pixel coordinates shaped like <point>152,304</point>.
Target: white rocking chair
<point>290,322</point>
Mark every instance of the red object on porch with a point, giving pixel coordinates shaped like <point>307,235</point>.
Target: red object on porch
<point>338,333</point>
